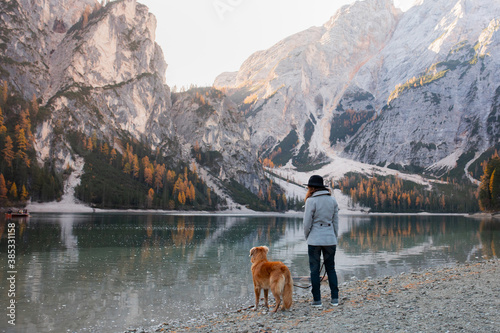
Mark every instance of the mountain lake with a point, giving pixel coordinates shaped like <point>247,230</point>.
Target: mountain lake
<point>109,272</point>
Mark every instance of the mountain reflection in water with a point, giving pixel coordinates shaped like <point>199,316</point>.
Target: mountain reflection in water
<point>108,272</point>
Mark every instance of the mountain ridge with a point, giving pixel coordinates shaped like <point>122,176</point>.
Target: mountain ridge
<point>429,49</point>
<point>383,89</point>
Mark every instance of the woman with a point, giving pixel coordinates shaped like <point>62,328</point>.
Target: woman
<point>321,225</point>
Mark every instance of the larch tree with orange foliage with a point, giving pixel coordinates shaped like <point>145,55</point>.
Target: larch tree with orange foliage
<point>21,145</point>
<point>3,129</point>
<point>86,14</point>
<point>89,145</point>
<point>25,123</point>
<point>8,152</point>
<point>151,195</point>
<point>159,175</point>
<point>127,168</point>
<point>113,155</point>
<point>489,189</point>
<point>105,149</point>
<point>170,176</point>
<point>191,193</point>
<point>34,105</point>
<point>13,191</point>
<point>24,194</point>
<point>148,171</point>
<point>135,166</point>
<point>3,188</point>
<point>181,198</point>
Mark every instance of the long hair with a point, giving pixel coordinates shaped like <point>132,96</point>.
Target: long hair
<point>311,190</point>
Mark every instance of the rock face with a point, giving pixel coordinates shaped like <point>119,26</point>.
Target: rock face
<point>99,71</point>
<point>436,86</point>
<point>391,88</point>
<point>31,31</point>
<point>302,78</point>
<point>210,123</point>
<point>105,74</point>
<point>419,88</point>
<point>114,68</point>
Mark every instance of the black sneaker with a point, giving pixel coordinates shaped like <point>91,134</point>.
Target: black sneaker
<point>316,304</point>
<point>334,301</point>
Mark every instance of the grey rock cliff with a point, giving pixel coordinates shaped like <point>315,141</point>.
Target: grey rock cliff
<point>418,88</point>
<point>435,86</point>
<point>207,121</point>
<point>99,71</point>
<point>302,78</point>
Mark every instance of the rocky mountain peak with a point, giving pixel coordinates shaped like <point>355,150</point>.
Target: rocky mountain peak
<point>440,55</point>
<point>301,78</point>
<point>417,90</point>
<point>97,72</point>
<point>53,17</point>
<point>93,56</point>
<point>435,61</point>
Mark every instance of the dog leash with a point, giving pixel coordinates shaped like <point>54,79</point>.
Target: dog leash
<point>321,280</point>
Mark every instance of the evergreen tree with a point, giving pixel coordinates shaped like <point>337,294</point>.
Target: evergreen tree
<point>127,168</point>
<point>25,123</point>
<point>5,92</point>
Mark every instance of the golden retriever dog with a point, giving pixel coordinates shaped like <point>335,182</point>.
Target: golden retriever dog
<point>272,275</point>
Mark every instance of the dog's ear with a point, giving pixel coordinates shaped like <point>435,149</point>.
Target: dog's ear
<point>266,248</point>
<point>252,250</point>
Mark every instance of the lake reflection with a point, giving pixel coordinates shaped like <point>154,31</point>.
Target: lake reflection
<point>110,272</point>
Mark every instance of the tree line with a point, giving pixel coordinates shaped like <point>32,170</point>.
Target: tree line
<point>489,189</point>
<point>270,196</point>
<point>122,174</point>
<point>394,194</point>
<point>21,175</point>
<point>126,174</point>
<point>133,176</point>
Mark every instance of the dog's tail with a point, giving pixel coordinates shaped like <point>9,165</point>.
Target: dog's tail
<point>287,290</point>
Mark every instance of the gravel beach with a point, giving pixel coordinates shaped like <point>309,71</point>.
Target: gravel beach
<point>461,298</point>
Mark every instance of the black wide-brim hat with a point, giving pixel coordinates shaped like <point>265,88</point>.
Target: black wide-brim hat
<point>316,181</point>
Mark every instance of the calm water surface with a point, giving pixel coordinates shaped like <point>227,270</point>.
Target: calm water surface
<point>110,272</point>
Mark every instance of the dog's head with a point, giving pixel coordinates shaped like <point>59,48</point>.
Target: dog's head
<point>258,253</point>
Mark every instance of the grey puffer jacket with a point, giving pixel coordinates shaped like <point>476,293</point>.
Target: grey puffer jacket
<point>321,219</point>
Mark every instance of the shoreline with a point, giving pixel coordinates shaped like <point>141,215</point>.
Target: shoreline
<point>65,207</point>
<point>463,297</point>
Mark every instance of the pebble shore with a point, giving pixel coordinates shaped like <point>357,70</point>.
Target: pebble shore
<point>461,298</point>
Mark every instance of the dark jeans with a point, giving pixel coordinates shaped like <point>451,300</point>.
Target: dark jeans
<point>314,265</point>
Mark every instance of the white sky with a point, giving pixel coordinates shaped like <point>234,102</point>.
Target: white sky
<point>201,39</point>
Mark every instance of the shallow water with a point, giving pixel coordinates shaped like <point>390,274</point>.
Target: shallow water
<point>110,272</point>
